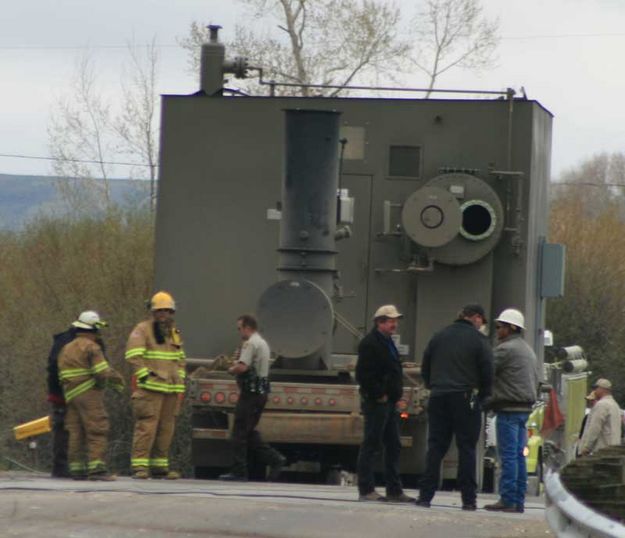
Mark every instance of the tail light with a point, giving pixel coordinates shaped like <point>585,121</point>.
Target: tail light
<point>206,397</point>
<point>403,415</point>
<point>276,399</point>
<point>332,402</point>
<point>318,401</point>
<point>220,398</point>
<point>233,397</point>
<point>290,400</point>
<point>304,400</point>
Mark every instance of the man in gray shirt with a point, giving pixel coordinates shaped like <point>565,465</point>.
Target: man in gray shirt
<point>514,393</point>
<point>252,373</point>
<point>603,427</point>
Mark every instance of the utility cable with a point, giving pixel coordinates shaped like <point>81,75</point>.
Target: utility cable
<point>86,161</point>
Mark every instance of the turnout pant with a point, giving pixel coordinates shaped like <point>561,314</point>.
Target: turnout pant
<point>87,424</point>
<point>381,432</point>
<point>511,440</point>
<point>155,420</point>
<point>448,415</point>
<point>245,438</point>
<point>60,439</point>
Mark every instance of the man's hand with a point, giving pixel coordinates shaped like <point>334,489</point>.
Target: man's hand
<point>238,368</point>
<point>383,399</point>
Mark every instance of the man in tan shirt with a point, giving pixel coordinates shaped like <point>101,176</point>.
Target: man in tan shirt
<point>603,427</point>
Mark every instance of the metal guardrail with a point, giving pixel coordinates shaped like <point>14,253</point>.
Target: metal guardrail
<point>569,518</point>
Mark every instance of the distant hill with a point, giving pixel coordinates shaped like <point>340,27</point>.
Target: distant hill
<point>24,197</point>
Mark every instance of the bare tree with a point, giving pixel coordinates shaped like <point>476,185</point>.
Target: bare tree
<point>89,139</point>
<point>329,42</point>
<point>450,34</point>
<point>136,124</point>
<point>79,140</point>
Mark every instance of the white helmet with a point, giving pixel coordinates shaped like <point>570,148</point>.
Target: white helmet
<point>89,320</point>
<point>513,317</point>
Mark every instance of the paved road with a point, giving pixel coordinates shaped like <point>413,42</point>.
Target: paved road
<point>35,506</point>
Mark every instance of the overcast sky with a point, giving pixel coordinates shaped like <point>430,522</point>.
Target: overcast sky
<point>568,54</point>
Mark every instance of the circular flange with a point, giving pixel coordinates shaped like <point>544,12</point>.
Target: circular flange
<point>479,220</point>
<point>295,317</point>
<point>431,217</point>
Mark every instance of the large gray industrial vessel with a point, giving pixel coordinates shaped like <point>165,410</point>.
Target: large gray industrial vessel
<point>312,212</point>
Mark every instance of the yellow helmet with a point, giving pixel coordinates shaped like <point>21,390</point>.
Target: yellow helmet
<point>162,301</point>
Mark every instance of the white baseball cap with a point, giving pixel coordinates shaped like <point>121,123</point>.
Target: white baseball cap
<point>387,311</point>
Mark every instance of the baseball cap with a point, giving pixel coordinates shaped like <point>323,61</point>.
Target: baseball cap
<point>602,383</point>
<point>591,396</point>
<point>387,311</point>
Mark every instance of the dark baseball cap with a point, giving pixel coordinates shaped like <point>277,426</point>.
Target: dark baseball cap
<point>473,309</point>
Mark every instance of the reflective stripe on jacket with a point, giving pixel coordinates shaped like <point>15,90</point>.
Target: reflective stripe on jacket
<point>82,366</point>
<point>157,367</point>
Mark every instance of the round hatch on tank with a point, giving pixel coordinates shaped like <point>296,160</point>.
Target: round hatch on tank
<point>296,317</point>
<point>431,217</point>
<point>481,218</point>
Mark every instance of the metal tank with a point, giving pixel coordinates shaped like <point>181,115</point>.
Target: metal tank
<point>450,207</point>
<point>302,300</point>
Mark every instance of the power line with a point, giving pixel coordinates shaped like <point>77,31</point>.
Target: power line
<point>586,184</point>
<point>564,36</point>
<point>81,47</point>
<point>168,46</point>
<point>84,161</point>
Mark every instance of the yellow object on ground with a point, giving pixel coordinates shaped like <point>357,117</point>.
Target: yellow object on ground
<point>32,428</point>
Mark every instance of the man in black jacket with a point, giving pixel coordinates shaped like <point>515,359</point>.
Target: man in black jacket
<point>457,367</point>
<point>379,373</point>
<point>60,436</point>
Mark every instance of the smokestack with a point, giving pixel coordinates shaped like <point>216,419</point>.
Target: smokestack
<point>212,63</point>
<point>296,314</point>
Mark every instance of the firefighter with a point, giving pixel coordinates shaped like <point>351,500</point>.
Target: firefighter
<point>57,402</point>
<point>84,373</point>
<point>252,373</point>
<point>156,355</point>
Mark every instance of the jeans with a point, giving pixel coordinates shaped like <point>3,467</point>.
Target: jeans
<point>511,441</point>
<point>448,415</point>
<point>381,431</point>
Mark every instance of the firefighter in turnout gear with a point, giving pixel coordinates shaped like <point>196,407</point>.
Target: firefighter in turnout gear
<point>157,357</point>
<point>84,373</point>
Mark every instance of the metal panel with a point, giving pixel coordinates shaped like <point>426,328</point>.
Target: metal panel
<point>552,274</point>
